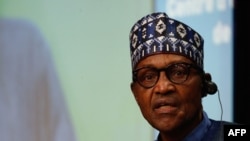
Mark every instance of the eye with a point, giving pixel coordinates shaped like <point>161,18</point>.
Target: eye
<point>178,72</point>
<point>147,75</point>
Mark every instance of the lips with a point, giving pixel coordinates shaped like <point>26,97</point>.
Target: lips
<point>165,106</point>
<point>163,102</point>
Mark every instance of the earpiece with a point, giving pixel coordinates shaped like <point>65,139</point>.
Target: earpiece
<point>209,86</point>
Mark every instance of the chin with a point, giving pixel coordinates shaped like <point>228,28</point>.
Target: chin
<point>165,125</point>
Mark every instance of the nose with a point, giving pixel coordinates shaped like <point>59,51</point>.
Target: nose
<point>164,85</point>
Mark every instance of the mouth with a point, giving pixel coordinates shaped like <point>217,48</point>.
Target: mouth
<point>165,107</point>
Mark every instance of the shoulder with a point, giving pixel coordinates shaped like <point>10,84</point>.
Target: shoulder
<point>216,130</point>
<point>222,122</point>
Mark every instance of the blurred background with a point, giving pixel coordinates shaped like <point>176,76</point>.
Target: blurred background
<point>89,46</point>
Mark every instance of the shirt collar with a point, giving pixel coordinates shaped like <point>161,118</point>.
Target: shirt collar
<point>200,130</point>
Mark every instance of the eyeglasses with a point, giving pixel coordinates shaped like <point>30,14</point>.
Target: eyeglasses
<point>177,73</point>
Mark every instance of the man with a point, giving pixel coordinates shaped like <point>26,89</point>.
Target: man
<point>169,81</point>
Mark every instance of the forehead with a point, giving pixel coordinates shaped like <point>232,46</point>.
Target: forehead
<point>161,60</point>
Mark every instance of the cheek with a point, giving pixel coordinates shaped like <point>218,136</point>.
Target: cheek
<point>193,93</point>
<point>191,97</point>
<point>193,90</point>
<point>143,99</point>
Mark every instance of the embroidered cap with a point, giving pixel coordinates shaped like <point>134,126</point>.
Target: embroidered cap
<point>157,33</point>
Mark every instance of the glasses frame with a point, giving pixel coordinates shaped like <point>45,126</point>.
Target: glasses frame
<point>165,69</point>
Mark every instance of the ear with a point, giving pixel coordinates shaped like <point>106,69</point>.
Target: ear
<point>204,77</point>
<point>207,77</point>
<point>209,86</point>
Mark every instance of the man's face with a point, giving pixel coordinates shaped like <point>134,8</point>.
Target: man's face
<point>168,106</point>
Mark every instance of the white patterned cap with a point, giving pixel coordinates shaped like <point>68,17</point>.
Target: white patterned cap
<point>157,33</point>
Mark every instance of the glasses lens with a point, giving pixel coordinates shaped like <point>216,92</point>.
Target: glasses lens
<point>178,73</point>
<point>147,77</point>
